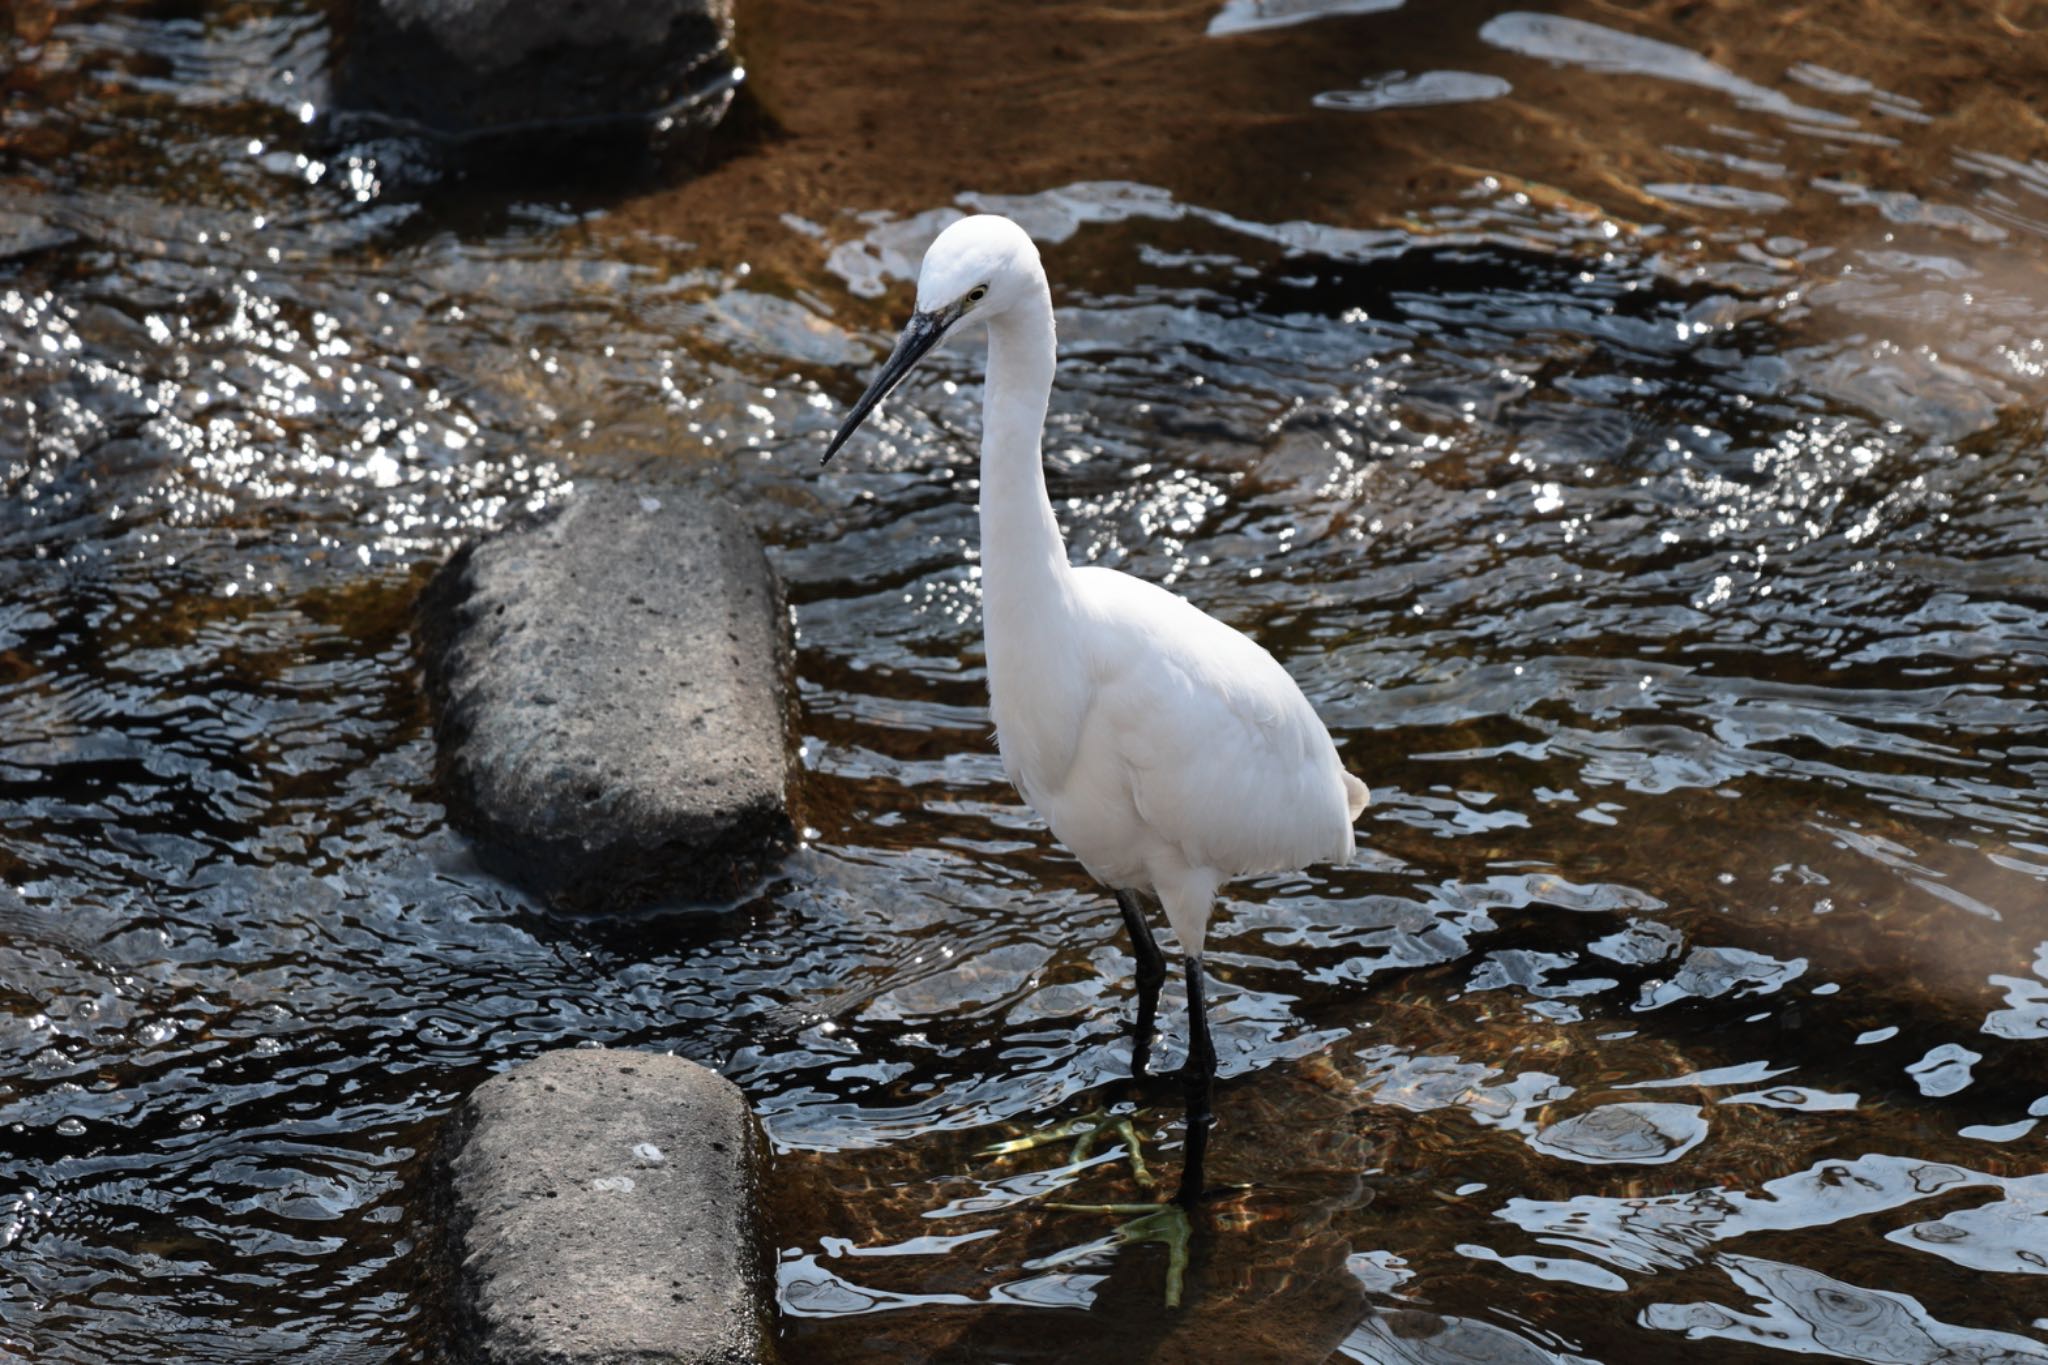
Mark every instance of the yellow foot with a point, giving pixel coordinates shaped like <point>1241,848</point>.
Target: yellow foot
<point>1085,1132</point>
<point>1166,1224</point>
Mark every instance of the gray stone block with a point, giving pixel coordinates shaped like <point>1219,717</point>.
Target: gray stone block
<point>610,686</point>
<point>604,1207</point>
<point>468,68</point>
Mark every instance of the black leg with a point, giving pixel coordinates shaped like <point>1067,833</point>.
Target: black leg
<point>1151,972</point>
<point>1199,1078</point>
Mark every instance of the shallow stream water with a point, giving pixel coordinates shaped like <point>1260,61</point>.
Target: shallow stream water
<point>1625,422</point>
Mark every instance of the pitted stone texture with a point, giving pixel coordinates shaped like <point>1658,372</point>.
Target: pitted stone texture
<point>605,1209</point>
<point>610,682</point>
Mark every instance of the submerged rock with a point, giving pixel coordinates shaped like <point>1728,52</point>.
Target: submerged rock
<point>1625,1134</point>
<point>490,68</point>
<point>604,1206</point>
<point>1710,973</point>
<point>24,234</point>
<point>609,680</point>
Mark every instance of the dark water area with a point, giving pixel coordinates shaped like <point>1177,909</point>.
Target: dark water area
<point>1626,423</point>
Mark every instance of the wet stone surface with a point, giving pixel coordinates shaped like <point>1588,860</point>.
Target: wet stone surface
<point>609,687</point>
<point>521,69</point>
<point>606,1210</point>
<point>23,233</point>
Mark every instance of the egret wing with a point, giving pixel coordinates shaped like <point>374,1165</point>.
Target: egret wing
<point>1223,754</point>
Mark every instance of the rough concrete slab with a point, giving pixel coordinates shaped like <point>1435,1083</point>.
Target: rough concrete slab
<point>605,1209</point>
<point>610,682</point>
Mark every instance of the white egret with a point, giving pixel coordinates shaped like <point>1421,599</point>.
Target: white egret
<point>1166,750</point>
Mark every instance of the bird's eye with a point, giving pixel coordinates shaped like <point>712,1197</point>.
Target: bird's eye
<point>977,294</point>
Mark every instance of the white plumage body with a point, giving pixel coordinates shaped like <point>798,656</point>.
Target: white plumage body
<point>1168,751</point>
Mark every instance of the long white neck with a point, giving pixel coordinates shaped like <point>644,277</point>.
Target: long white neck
<point>1023,559</point>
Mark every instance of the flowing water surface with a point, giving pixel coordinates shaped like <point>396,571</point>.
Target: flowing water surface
<point>1625,422</point>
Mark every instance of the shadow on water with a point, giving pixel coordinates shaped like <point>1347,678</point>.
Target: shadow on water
<point>1624,422</point>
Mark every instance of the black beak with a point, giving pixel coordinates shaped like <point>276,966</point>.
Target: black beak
<point>920,336</point>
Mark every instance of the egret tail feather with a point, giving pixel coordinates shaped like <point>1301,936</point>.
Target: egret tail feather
<point>1356,794</point>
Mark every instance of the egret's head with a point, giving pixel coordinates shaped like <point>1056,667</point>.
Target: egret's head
<point>979,267</point>
<point>977,270</point>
